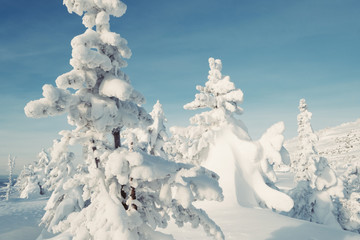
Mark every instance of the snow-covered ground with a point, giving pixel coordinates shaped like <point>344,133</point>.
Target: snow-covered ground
<point>19,218</point>
<point>19,221</point>
<point>260,224</point>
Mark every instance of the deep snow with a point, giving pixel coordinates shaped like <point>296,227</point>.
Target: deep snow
<point>19,218</point>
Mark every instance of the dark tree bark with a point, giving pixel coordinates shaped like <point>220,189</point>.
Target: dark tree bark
<point>117,140</point>
<point>133,197</point>
<point>97,160</point>
<point>124,195</point>
<point>117,144</point>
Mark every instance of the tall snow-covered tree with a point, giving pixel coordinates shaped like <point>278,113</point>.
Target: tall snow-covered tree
<point>118,193</point>
<point>11,164</point>
<point>317,182</point>
<point>219,140</point>
<point>303,167</point>
<point>223,99</point>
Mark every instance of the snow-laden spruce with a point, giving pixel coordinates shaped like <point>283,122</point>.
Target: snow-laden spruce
<point>150,139</point>
<point>218,140</point>
<point>317,182</point>
<point>117,192</point>
<point>220,95</point>
<point>32,179</point>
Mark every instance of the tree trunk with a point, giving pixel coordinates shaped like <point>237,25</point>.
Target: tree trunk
<point>97,160</point>
<point>133,197</point>
<point>117,144</point>
<point>116,134</point>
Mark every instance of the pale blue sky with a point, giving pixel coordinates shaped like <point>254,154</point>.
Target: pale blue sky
<point>275,51</point>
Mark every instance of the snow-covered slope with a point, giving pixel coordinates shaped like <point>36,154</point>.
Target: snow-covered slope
<point>260,224</point>
<point>19,219</point>
<point>340,144</point>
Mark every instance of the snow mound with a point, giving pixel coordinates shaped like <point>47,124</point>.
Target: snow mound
<point>238,160</point>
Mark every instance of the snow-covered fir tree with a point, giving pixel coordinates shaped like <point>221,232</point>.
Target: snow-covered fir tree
<point>219,140</point>
<point>22,182</point>
<point>317,184</point>
<point>117,193</point>
<point>301,165</point>
<point>157,131</point>
<point>150,139</point>
<point>31,181</point>
<point>11,164</point>
<point>223,99</point>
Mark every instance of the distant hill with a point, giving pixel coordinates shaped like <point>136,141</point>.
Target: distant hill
<point>340,145</point>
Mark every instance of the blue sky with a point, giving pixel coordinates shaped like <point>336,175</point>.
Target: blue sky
<point>275,51</point>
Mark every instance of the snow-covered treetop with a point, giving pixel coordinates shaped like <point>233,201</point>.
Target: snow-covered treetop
<point>158,112</point>
<point>223,99</point>
<point>305,130</point>
<point>219,93</point>
<point>96,12</point>
<point>104,98</point>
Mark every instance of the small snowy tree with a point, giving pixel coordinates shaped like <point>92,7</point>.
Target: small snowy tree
<point>349,206</point>
<point>11,164</point>
<point>349,212</point>
<point>247,169</point>
<point>317,182</point>
<point>157,131</point>
<point>150,139</point>
<point>117,193</point>
<point>303,167</point>
<point>31,181</point>
<point>22,180</point>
